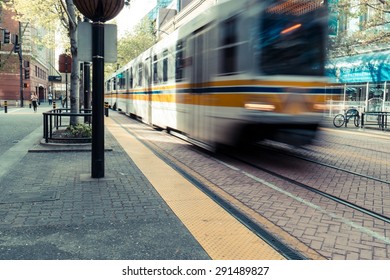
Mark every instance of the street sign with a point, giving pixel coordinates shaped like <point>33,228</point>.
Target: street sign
<point>56,79</point>
<point>84,37</point>
<point>65,63</point>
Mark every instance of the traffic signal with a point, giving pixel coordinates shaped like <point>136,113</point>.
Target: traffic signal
<point>27,74</point>
<point>17,48</point>
<point>6,36</point>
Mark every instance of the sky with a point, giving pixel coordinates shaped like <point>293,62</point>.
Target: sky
<point>130,16</point>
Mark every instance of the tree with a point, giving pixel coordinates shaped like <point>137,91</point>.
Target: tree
<point>133,44</point>
<point>59,15</point>
<point>362,26</point>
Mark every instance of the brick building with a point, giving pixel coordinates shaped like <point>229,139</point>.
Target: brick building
<point>19,78</point>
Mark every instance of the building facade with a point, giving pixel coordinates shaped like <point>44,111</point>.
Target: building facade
<point>179,13</point>
<point>25,72</point>
<point>362,70</point>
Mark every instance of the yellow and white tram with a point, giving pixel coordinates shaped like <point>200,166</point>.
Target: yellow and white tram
<point>242,71</point>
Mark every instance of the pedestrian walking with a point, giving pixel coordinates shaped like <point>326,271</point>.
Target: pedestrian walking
<point>50,97</point>
<point>34,101</point>
<point>62,103</point>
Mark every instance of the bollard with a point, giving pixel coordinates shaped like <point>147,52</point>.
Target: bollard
<point>54,104</point>
<point>106,108</point>
<point>5,106</point>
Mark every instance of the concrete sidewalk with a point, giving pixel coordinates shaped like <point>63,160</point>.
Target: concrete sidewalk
<point>50,208</point>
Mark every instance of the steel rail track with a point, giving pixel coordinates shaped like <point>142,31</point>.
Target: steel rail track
<point>314,190</point>
<point>351,146</point>
<point>324,164</point>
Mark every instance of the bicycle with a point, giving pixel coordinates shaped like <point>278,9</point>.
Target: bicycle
<point>341,119</point>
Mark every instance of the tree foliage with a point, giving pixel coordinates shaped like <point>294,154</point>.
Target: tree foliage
<point>49,14</point>
<point>60,16</point>
<point>363,25</point>
<point>133,44</point>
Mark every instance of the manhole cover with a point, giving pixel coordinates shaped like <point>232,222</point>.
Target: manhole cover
<point>28,197</point>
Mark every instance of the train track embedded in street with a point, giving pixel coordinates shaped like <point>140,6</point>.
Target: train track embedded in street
<point>349,146</point>
<point>312,189</point>
<point>315,190</point>
<point>287,153</point>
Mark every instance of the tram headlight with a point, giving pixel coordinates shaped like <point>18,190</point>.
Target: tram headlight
<point>265,107</point>
<point>320,107</point>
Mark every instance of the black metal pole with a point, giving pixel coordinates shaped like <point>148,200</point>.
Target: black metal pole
<point>87,85</point>
<point>21,94</point>
<point>98,100</point>
<point>21,85</point>
<point>66,82</point>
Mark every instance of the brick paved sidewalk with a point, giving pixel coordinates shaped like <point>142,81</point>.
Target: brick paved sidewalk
<point>50,208</point>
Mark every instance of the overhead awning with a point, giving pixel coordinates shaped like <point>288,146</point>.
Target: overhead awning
<point>371,67</point>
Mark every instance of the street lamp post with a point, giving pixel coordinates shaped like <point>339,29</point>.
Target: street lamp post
<point>99,11</point>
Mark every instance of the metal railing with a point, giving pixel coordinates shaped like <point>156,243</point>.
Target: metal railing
<point>375,119</point>
<point>54,119</point>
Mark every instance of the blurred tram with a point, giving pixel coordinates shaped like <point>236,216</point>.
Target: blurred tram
<point>242,71</point>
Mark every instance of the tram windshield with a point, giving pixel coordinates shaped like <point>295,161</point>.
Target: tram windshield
<point>292,44</point>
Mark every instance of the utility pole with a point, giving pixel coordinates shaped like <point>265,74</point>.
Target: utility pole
<point>18,45</point>
<point>17,48</point>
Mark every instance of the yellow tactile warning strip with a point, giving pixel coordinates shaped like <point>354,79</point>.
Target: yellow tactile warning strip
<point>220,234</point>
<point>266,224</point>
<point>283,235</point>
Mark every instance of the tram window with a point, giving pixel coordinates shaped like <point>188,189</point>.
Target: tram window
<point>148,77</point>
<point>228,50</point>
<point>165,66</point>
<point>113,83</point>
<point>121,80</point>
<point>179,66</point>
<point>131,77</point>
<point>140,69</point>
<point>155,73</point>
<point>291,45</point>
<point>127,77</point>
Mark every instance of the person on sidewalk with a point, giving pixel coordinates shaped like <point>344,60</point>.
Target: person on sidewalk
<point>34,101</point>
<point>50,97</point>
